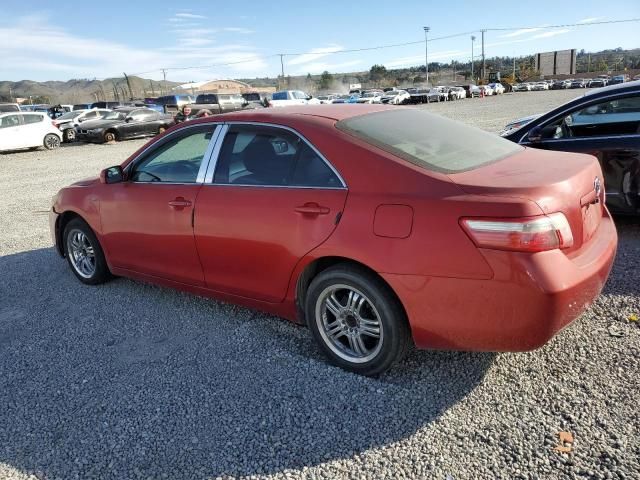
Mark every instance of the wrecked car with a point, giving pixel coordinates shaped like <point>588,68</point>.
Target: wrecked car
<point>604,123</point>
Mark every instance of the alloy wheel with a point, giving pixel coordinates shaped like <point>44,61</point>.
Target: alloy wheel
<point>349,323</point>
<point>81,253</point>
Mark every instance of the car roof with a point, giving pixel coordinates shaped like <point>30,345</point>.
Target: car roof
<point>335,112</point>
<point>631,86</point>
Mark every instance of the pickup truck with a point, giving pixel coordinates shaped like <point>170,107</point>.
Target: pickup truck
<point>287,98</point>
<point>220,103</point>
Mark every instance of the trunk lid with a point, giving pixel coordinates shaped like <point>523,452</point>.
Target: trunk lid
<point>556,181</point>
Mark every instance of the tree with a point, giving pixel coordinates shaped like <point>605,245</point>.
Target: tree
<point>325,80</point>
<point>377,73</point>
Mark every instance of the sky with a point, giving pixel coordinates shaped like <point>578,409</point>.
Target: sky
<point>44,40</point>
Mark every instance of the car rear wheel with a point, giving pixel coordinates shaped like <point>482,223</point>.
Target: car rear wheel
<point>69,135</point>
<point>51,141</point>
<point>84,253</point>
<point>356,320</point>
<point>109,137</point>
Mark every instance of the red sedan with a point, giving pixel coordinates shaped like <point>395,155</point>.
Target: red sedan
<point>377,227</point>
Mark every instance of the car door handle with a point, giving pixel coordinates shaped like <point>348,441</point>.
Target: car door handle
<point>179,203</point>
<point>312,209</point>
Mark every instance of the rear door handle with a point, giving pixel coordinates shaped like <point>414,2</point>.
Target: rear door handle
<point>312,209</point>
<point>180,203</point>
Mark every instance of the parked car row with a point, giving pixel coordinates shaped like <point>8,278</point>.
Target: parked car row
<point>550,84</point>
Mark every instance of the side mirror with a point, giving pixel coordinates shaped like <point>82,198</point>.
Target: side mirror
<point>535,135</point>
<point>128,119</point>
<point>80,120</point>
<point>112,175</point>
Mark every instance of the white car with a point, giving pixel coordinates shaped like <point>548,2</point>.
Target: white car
<point>539,86</point>
<point>28,130</point>
<point>67,122</point>
<point>498,88</point>
<point>371,97</point>
<point>458,93</point>
<point>521,87</point>
<point>287,98</point>
<point>396,97</point>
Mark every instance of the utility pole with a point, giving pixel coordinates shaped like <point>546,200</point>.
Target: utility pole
<point>589,66</point>
<point>453,65</point>
<point>282,67</point>
<point>10,95</point>
<point>514,69</point>
<point>164,77</point>
<point>426,52</point>
<point>473,39</point>
<point>484,66</point>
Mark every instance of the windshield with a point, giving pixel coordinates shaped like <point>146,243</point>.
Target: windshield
<point>299,95</point>
<point>114,116</point>
<point>429,141</point>
<point>70,115</point>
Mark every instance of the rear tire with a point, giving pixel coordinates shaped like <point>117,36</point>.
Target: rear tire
<point>356,320</point>
<point>84,253</point>
<point>51,141</point>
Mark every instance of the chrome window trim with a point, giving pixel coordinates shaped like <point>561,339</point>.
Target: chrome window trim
<point>206,157</point>
<point>593,101</point>
<point>579,139</point>
<point>216,154</point>
<point>213,162</point>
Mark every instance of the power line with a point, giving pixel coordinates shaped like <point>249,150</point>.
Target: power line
<point>393,45</point>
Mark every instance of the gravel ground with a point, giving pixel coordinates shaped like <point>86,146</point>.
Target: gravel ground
<point>128,380</point>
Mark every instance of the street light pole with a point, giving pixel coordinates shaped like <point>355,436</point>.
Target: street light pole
<point>426,52</point>
<point>473,39</point>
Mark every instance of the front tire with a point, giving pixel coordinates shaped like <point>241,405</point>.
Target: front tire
<point>69,135</point>
<point>84,253</point>
<point>109,137</point>
<point>51,141</point>
<point>356,320</point>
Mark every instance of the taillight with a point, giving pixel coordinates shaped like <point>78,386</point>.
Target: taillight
<point>531,234</point>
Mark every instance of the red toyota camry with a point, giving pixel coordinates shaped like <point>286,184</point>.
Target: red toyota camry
<point>377,227</point>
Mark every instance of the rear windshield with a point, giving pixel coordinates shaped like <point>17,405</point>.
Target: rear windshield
<point>206,98</point>
<point>429,141</point>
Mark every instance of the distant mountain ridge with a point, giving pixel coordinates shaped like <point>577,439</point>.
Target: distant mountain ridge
<point>83,90</point>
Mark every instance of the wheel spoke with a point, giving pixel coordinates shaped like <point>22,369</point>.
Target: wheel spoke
<point>335,328</point>
<point>333,305</point>
<point>370,331</point>
<point>352,300</point>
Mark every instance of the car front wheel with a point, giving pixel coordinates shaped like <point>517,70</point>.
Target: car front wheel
<point>109,137</point>
<point>69,135</point>
<point>356,319</point>
<point>84,253</point>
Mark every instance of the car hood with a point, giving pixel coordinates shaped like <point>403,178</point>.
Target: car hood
<point>85,182</point>
<point>91,124</point>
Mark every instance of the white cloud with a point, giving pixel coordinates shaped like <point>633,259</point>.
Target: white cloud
<point>319,67</point>
<point>28,40</point>
<point>551,33</point>
<point>522,31</point>
<point>314,55</point>
<point>242,30</point>
<point>590,20</point>
<point>189,15</point>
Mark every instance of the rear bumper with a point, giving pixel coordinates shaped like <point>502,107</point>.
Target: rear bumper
<point>529,299</point>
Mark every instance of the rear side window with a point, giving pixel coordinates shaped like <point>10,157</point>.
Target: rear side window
<point>267,156</point>
<point>30,118</point>
<point>429,141</point>
<point>279,96</point>
<point>207,99</point>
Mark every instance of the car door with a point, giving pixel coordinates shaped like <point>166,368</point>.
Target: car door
<point>135,124</point>
<point>35,128</point>
<point>11,134</point>
<point>147,220</point>
<point>273,198</point>
<point>610,130</point>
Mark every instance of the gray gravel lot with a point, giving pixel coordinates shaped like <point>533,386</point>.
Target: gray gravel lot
<point>129,380</point>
